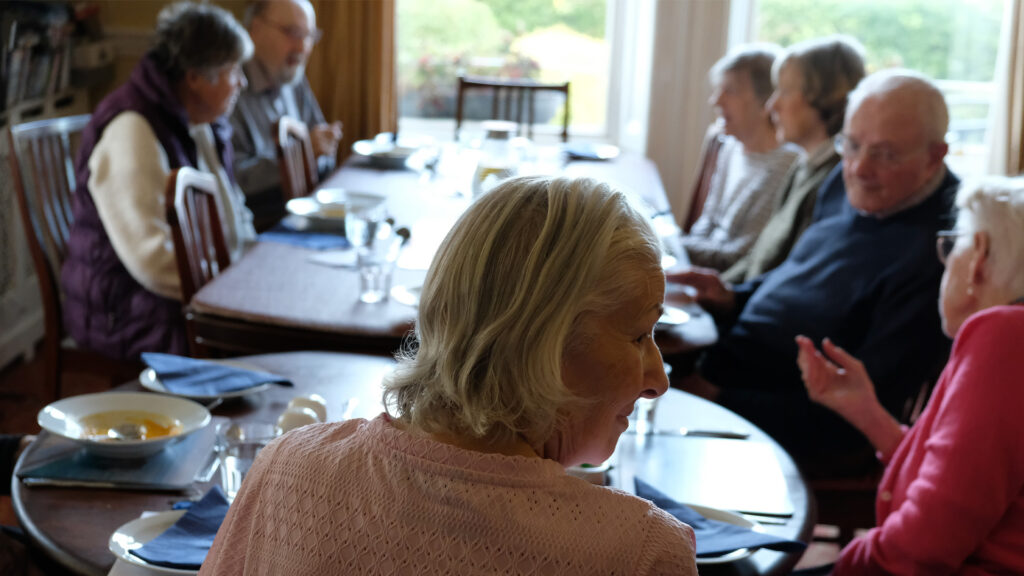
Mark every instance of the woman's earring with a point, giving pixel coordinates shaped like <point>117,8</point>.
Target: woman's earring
<point>970,290</point>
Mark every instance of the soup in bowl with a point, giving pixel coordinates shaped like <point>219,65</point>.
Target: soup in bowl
<point>123,424</point>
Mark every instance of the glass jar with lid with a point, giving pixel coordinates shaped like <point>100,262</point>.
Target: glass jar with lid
<point>498,158</point>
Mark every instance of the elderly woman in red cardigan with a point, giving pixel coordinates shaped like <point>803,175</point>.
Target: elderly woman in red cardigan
<point>952,497</point>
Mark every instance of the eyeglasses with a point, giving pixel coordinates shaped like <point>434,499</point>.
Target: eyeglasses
<point>944,243</point>
<point>882,155</point>
<point>296,33</point>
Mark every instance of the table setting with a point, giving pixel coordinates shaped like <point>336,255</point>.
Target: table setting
<point>77,523</point>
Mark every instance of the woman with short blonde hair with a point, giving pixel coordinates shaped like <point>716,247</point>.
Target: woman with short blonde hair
<point>533,343</point>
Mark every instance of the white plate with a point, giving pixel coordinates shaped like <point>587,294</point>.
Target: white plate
<point>386,155</point>
<point>673,317</point>
<point>150,381</point>
<point>62,418</point>
<point>132,535</point>
<point>326,206</point>
<point>408,295</point>
<point>728,518</point>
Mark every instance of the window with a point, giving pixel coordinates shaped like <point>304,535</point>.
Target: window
<point>954,42</point>
<point>547,40</point>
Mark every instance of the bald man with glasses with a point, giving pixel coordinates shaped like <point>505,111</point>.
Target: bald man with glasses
<point>283,34</point>
<point>864,275</point>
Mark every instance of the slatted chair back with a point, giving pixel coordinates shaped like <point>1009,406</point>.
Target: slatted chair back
<point>193,212</point>
<point>295,158</point>
<point>512,100</point>
<point>42,155</point>
<point>42,165</point>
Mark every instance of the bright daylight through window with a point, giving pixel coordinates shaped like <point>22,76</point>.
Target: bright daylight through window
<point>953,41</point>
<point>544,40</point>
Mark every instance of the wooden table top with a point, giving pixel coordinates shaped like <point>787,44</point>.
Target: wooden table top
<point>73,525</point>
<point>275,298</point>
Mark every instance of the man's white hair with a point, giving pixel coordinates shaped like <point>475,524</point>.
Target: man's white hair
<point>932,110</point>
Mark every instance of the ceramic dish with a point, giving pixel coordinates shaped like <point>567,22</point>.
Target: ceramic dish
<point>132,535</point>
<point>388,156</point>
<point>326,206</point>
<point>63,418</point>
<point>408,295</point>
<point>673,316</point>
<point>728,518</point>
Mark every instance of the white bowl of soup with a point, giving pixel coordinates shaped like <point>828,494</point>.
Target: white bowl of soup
<point>123,424</point>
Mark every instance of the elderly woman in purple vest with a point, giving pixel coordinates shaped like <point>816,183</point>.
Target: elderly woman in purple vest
<point>120,280</point>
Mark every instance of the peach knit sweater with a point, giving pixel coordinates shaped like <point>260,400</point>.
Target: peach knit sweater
<point>362,497</point>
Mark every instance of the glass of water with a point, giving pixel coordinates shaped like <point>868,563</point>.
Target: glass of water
<point>641,420</point>
<point>237,446</point>
<point>370,231</point>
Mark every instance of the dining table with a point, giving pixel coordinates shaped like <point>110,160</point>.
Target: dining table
<point>283,297</point>
<point>747,472</point>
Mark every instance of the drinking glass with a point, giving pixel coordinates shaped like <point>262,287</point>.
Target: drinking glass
<point>368,229</point>
<point>237,446</point>
<point>641,420</point>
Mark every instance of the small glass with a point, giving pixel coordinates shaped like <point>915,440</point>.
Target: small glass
<point>641,420</point>
<point>237,446</point>
<point>377,246</point>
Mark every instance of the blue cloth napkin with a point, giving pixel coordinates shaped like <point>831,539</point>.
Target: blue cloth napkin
<point>714,537</point>
<point>590,151</point>
<point>193,377</point>
<point>284,234</point>
<point>185,544</point>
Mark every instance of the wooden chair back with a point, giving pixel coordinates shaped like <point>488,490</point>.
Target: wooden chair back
<point>512,100</point>
<point>193,212</point>
<point>42,155</point>
<point>295,158</point>
<point>702,184</point>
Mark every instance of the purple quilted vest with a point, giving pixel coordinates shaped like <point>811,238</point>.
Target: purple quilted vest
<point>105,309</point>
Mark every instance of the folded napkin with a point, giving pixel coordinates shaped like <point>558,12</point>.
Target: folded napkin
<point>185,544</point>
<point>590,151</point>
<point>714,537</point>
<point>282,233</point>
<point>193,377</point>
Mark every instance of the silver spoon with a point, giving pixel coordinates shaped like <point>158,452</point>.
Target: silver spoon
<point>126,431</point>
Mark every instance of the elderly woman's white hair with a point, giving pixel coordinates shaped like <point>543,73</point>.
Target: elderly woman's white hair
<point>503,300</point>
<point>995,204</point>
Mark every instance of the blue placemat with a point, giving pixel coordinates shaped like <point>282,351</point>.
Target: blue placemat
<point>186,544</point>
<point>282,233</point>
<point>59,461</point>
<point>714,537</point>
<point>194,377</point>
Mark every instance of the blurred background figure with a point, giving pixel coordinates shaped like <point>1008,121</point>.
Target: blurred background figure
<point>750,166</point>
<point>120,279</point>
<point>812,80</point>
<point>533,343</point>
<point>283,33</point>
<point>952,497</point>
<point>863,276</point>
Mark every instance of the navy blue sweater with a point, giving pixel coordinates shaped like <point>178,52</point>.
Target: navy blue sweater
<point>869,284</point>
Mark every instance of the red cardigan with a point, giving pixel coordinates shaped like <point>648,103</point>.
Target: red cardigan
<point>952,497</point>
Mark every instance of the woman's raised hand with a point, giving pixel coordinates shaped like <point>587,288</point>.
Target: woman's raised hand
<point>835,379</point>
<point>841,383</point>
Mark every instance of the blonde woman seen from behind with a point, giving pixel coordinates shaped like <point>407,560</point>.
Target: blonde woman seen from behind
<point>532,344</point>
